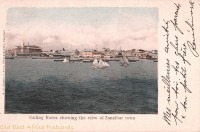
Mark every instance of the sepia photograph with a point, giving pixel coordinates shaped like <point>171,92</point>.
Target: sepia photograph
<point>81,60</point>
<point>99,66</point>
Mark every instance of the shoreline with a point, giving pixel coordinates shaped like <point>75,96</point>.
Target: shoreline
<point>77,59</point>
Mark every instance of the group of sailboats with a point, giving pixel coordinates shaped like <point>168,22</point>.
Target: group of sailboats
<point>124,61</point>
<point>100,64</point>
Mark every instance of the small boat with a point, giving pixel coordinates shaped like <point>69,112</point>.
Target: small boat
<point>65,60</point>
<point>106,64</point>
<point>95,62</point>
<point>124,61</point>
<point>121,61</point>
<point>100,65</point>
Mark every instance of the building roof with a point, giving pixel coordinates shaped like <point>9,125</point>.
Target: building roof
<point>97,53</point>
<point>88,50</point>
<point>29,46</point>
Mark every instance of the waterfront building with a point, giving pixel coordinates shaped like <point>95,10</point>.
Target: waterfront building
<point>47,53</point>
<point>152,55</point>
<point>107,57</point>
<point>130,53</point>
<point>27,50</point>
<point>154,51</point>
<point>113,53</point>
<point>87,53</point>
<point>98,54</point>
<point>62,54</point>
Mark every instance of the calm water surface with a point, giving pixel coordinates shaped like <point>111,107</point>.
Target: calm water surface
<point>45,86</point>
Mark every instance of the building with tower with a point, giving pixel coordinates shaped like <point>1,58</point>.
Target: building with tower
<point>27,50</point>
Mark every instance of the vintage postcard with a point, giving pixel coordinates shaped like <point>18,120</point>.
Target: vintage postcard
<point>100,66</point>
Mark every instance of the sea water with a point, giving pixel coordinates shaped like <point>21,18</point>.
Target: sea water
<point>46,87</point>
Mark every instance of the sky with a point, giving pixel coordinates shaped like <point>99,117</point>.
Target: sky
<point>83,28</point>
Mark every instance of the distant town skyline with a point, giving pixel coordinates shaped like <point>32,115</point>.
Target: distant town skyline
<point>83,28</point>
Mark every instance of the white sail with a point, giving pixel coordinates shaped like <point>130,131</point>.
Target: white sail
<point>121,61</point>
<point>106,64</point>
<point>95,62</point>
<point>65,60</point>
<point>126,60</point>
<point>101,64</point>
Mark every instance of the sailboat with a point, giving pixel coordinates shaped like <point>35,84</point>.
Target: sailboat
<point>121,61</point>
<point>95,63</point>
<point>65,60</point>
<point>106,64</point>
<point>100,65</point>
<point>124,61</point>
